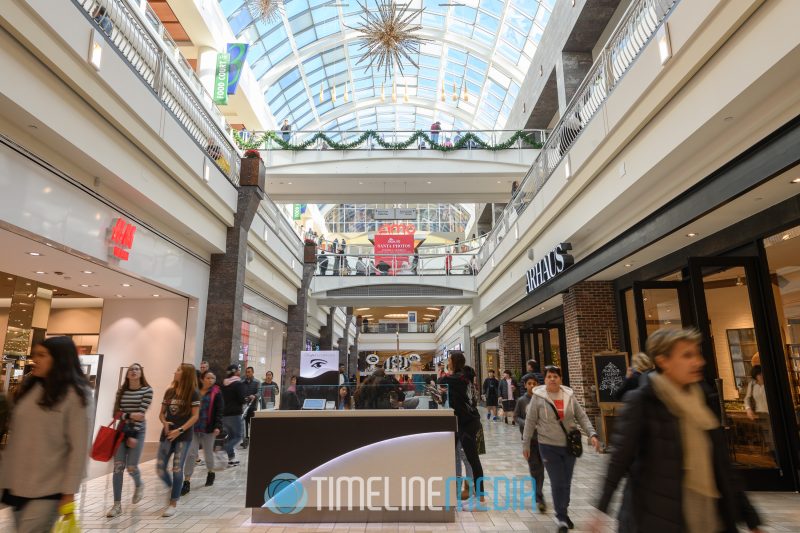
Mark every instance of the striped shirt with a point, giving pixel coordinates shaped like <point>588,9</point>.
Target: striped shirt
<point>135,401</point>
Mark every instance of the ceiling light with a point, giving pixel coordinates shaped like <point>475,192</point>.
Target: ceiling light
<point>10,279</point>
<point>126,284</point>
<point>429,183</point>
<point>363,309</point>
<point>691,234</point>
<point>28,284</point>
<point>361,183</point>
<point>739,281</point>
<point>396,315</point>
<point>88,272</point>
<point>542,308</point>
<point>366,316</point>
<point>156,295</point>
<point>34,254</point>
<point>289,183</point>
<point>272,327</point>
<point>664,44</point>
<point>786,237</point>
<point>48,244</point>
<point>40,272</point>
<point>120,296</point>
<point>628,265</point>
<point>796,180</point>
<point>432,308</point>
<point>84,285</point>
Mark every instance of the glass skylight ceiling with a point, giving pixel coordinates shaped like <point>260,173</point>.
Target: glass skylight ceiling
<point>484,46</point>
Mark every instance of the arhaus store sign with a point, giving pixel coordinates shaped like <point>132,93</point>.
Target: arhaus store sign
<point>553,264</point>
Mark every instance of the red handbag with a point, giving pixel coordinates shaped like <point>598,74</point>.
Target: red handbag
<point>107,441</point>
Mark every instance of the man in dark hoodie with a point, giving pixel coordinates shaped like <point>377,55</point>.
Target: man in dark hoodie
<point>535,465</point>
<point>234,393</point>
<point>252,386</point>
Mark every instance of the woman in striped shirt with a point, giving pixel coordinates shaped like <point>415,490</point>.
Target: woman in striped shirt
<point>133,399</point>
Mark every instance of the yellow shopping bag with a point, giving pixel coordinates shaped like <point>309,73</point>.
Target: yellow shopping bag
<point>67,521</point>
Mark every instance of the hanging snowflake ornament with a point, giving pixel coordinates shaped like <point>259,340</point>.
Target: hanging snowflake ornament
<point>266,10</point>
<point>388,36</point>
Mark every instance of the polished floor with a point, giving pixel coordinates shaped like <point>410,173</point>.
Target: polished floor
<point>221,509</point>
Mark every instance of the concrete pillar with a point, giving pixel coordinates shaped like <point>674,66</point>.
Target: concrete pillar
<point>207,67</point>
<point>571,69</point>
<point>297,320</point>
<point>590,320</point>
<point>223,330</point>
<point>510,348</point>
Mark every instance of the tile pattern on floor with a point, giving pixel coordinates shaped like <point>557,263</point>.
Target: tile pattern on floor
<point>221,508</point>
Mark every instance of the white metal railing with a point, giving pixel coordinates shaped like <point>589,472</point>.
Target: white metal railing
<point>637,27</point>
<point>371,265</point>
<point>463,247</point>
<point>137,33</point>
<point>276,221</point>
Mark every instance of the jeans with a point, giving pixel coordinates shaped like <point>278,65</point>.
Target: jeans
<point>435,137</point>
<point>461,457</point>
<point>127,458</point>
<point>207,441</point>
<point>233,428</point>
<point>536,468</point>
<point>468,438</point>
<point>178,450</point>
<point>559,465</point>
<point>37,516</point>
<point>248,417</point>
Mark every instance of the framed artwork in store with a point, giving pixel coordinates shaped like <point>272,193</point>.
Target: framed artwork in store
<point>610,369</point>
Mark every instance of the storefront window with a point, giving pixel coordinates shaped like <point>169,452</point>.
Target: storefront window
<point>783,256</point>
<point>263,343</point>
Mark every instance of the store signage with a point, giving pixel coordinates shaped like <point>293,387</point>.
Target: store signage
<point>383,214</point>
<point>393,213</point>
<point>121,239</point>
<point>221,79</point>
<point>394,250</point>
<point>237,52</point>
<point>405,214</point>
<point>412,321</point>
<point>314,366</point>
<point>297,211</point>
<point>549,267</point>
<point>397,229</point>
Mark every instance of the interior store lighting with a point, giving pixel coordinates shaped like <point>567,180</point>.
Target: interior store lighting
<point>664,44</point>
<point>95,49</point>
<point>433,308</point>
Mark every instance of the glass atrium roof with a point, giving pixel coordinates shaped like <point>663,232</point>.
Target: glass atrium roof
<point>311,53</point>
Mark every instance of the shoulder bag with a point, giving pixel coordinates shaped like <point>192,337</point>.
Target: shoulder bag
<point>107,441</point>
<point>574,439</point>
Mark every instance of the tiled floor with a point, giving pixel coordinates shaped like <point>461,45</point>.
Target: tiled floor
<point>221,508</point>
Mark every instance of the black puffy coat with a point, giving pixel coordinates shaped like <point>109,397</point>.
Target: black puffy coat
<point>647,447</point>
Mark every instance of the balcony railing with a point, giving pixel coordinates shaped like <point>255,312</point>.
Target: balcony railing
<point>137,33</point>
<point>394,140</point>
<point>469,246</point>
<point>396,265</point>
<point>398,327</point>
<point>637,27</point>
<point>285,230</point>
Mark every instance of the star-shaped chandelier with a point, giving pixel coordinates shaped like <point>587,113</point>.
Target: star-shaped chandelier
<point>266,10</point>
<point>388,36</point>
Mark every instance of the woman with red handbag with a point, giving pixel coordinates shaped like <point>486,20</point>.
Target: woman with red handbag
<point>133,399</point>
<point>45,458</point>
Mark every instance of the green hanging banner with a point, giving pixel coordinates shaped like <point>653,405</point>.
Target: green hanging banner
<point>221,79</point>
<point>296,211</point>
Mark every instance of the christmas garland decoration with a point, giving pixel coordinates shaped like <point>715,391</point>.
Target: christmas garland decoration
<point>419,136</point>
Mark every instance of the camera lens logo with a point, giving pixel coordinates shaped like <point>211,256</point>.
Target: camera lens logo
<point>285,494</point>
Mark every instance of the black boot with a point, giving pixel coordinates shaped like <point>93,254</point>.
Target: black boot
<point>186,488</point>
<point>210,479</point>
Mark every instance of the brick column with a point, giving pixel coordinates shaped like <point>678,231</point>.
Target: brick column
<point>326,331</point>
<point>510,353</point>
<point>223,329</point>
<point>297,320</point>
<point>344,341</point>
<point>589,316</point>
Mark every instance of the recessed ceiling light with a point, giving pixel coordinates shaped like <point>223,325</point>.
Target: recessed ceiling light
<point>363,309</point>
<point>88,272</point>
<point>84,285</point>
<point>430,182</point>
<point>156,295</point>
<point>628,265</point>
<point>361,183</point>
<point>691,234</point>
<point>786,237</point>
<point>10,279</point>
<point>272,327</point>
<point>542,308</point>
<point>432,308</point>
<point>289,183</point>
<point>126,284</point>
<point>120,296</point>
<point>28,284</point>
<point>34,254</point>
<point>796,180</point>
<point>48,244</point>
<point>40,272</point>
<point>499,182</point>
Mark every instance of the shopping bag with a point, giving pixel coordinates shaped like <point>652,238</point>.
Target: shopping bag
<point>220,455</point>
<point>481,439</point>
<point>107,441</point>
<point>67,522</point>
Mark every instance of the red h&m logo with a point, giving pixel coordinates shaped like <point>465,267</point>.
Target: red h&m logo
<point>121,238</point>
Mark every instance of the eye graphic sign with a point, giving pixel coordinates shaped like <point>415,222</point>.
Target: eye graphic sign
<point>314,365</point>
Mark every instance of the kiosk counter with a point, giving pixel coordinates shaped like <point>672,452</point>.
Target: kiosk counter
<point>380,465</point>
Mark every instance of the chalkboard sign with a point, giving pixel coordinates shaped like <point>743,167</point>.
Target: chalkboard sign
<point>609,373</point>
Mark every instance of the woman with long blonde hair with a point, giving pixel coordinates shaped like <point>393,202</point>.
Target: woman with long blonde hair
<point>180,410</point>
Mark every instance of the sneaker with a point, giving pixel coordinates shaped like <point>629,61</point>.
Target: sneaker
<point>562,528</point>
<point>569,523</point>
<point>186,488</point>
<point>495,419</point>
<point>115,511</point>
<point>233,463</point>
<point>488,416</point>
<point>169,511</point>
<point>138,492</point>
<point>210,479</point>
<point>199,462</point>
<point>541,506</point>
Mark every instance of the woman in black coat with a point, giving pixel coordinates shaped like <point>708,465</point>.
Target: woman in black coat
<point>669,442</point>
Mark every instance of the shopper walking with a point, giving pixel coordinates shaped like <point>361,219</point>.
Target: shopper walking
<point>180,410</point>
<point>640,364</point>
<point>463,400</point>
<point>535,465</point>
<point>252,386</point>
<point>234,394</point>
<point>206,430</point>
<point>553,412</point>
<point>45,458</point>
<point>491,395</point>
<point>133,399</point>
<point>670,444</point>
<point>508,396</point>
<point>286,130</point>
<point>269,391</point>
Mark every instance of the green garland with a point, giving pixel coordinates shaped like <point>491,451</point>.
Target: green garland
<point>256,142</point>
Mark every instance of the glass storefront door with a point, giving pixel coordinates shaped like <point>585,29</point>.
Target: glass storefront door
<point>729,311</point>
<point>547,346</point>
<point>660,304</point>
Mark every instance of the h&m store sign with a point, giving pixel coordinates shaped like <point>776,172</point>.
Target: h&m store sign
<point>549,267</point>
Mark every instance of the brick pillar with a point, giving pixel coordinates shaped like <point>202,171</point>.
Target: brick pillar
<point>326,331</point>
<point>223,329</point>
<point>344,341</point>
<point>510,353</point>
<point>297,320</point>
<point>589,317</point>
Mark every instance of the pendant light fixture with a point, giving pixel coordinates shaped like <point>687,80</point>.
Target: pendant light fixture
<point>321,92</point>
<point>346,92</point>
<point>443,96</point>
<point>383,98</point>
<point>333,93</point>
<point>455,94</point>
<point>394,92</point>
<point>465,92</point>
<point>405,94</point>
